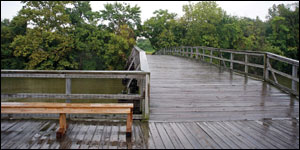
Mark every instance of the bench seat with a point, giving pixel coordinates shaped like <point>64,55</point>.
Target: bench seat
<point>71,108</point>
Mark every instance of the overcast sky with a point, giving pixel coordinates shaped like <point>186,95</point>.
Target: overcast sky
<point>249,9</point>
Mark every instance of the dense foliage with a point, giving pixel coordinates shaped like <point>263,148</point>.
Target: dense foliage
<point>206,24</point>
<point>69,35</point>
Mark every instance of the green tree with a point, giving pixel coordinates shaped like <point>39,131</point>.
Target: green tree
<point>46,45</point>
<point>119,14</point>
<point>157,29</point>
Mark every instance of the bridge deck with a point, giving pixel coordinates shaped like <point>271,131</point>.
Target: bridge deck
<point>192,105</point>
<point>188,90</point>
<point>40,134</point>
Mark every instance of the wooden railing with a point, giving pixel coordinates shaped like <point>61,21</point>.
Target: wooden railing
<point>227,58</point>
<point>142,74</point>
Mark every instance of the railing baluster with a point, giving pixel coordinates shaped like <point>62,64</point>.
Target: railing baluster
<point>197,52</point>
<point>294,74</point>
<point>211,53</point>
<point>68,88</point>
<point>246,62</point>
<point>231,59</point>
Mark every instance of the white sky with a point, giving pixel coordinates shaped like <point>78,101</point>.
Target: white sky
<point>249,9</point>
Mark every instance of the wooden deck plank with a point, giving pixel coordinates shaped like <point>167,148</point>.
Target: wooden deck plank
<point>71,135</point>
<point>289,137</point>
<point>201,136</point>
<point>179,85</point>
<point>164,136</point>
<point>122,137</point>
<point>185,142</point>
<point>252,135</point>
<point>26,131</point>
<point>106,136</point>
<point>147,136</point>
<point>173,137</point>
<point>88,137</point>
<point>97,137</point>
<point>114,137</point>
<point>76,142</point>
<point>156,137</point>
<point>247,138</point>
<point>40,137</point>
<point>259,135</point>
<point>14,131</point>
<point>213,135</point>
<point>221,135</point>
<point>233,137</point>
<point>30,133</point>
<point>217,134</point>
<point>273,135</point>
<point>189,136</point>
<point>139,140</point>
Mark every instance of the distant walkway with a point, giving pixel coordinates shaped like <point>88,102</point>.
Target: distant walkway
<point>190,90</point>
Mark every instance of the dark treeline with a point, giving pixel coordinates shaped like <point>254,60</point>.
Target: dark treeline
<point>206,24</point>
<point>69,35</point>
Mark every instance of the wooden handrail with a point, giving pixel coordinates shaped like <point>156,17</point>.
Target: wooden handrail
<point>141,72</point>
<point>139,60</point>
<point>188,51</point>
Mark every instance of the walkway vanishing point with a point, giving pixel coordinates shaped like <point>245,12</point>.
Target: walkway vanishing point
<point>193,105</point>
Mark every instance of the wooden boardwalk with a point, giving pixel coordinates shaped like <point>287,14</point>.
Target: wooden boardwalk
<point>192,105</point>
<point>188,90</point>
<point>40,134</point>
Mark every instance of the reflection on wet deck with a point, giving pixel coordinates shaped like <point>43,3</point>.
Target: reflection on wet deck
<point>40,134</point>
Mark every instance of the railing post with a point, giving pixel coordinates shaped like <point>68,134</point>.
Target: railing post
<point>147,97</point>
<point>266,71</point>
<point>231,61</point>
<point>203,51</point>
<point>246,61</point>
<point>220,56</point>
<point>68,88</point>
<point>191,51</point>
<point>197,52</point>
<point>294,74</point>
<point>211,53</point>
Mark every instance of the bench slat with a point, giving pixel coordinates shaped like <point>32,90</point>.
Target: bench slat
<point>70,108</point>
<point>62,105</point>
<point>67,110</point>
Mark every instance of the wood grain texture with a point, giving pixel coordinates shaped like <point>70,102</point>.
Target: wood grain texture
<point>183,89</point>
<point>263,134</point>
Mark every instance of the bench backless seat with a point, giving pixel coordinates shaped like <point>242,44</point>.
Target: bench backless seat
<point>71,108</point>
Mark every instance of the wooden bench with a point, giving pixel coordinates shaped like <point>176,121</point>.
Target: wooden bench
<point>72,108</point>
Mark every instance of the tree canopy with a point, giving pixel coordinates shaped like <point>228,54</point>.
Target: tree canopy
<point>67,35</point>
<point>206,24</point>
<point>70,35</point>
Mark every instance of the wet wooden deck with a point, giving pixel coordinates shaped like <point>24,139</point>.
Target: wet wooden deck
<point>40,134</point>
<point>192,105</point>
<point>183,89</point>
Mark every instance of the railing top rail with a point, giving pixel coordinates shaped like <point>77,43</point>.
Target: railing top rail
<point>72,71</point>
<point>143,60</point>
<point>285,59</point>
<point>272,55</point>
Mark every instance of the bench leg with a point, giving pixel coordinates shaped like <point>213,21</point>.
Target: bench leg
<point>62,126</point>
<point>129,124</point>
